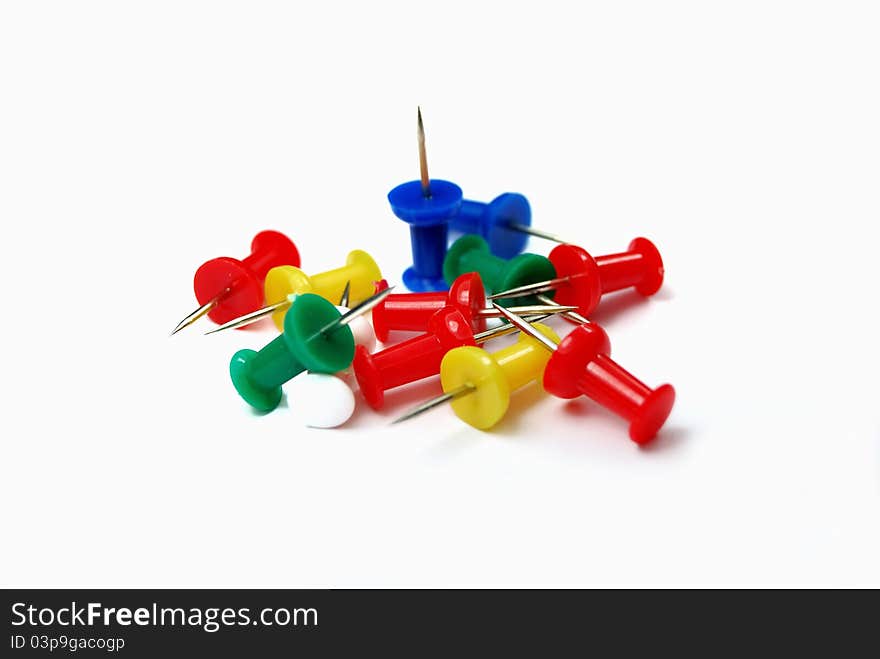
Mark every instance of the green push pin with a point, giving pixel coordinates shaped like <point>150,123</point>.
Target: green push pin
<point>470,253</point>
<point>316,337</point>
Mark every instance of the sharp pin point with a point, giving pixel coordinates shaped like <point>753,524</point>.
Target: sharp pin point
<point>532,231</point>
<point>343,301</point>
<point>195,315</point>
<point>421,408</point>
<point>423,158</point>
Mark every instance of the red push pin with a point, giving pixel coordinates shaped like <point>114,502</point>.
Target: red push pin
<point>420,356</point>
<point>581,279</point>
<point>581,365</point>
<point>228,288</point>
<point>411,312</point>
<point>411,360</point>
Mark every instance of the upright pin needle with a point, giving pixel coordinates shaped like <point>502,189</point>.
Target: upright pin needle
<point>423,158</point>
<point>346,292</point>
<point>198,313</point>
<point>353,313</point>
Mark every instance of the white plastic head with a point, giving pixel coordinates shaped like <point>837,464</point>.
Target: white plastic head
<point>319,400</point>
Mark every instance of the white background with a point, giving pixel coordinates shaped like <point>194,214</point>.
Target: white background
<point>139,139</point>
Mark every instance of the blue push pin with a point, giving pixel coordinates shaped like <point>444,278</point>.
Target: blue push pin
<point>427,206</point>
<point>504,223</point>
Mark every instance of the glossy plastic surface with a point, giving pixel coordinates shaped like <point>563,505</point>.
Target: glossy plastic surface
<point>581,365</point>
<point>244,278</point>
<point>494,376</point>
<point>319,400</point>
<point>640,267</point>
<point>411,360</point>
<point>360,269</point>
<point>492,222</point>
<point>258,376</point>
<point>428,218</point>
<point>410,312</point>
<point>470,253</point>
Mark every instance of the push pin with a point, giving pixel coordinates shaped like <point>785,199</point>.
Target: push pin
<point>580,365</point>
<point>478,384</point>
<point>419,357</point>
<point>360,273</point>
<point>410,312</point>
<point>227,288</point>
<point>470,253</point>
<point>427,206</point>
<point>505,223</point>
<point>316,337</point>
<point>581,280</point>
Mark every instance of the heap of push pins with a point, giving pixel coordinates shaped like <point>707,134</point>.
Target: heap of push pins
<point>456,287</point>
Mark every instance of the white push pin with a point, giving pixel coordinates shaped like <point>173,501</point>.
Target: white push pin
<point>320,401</point>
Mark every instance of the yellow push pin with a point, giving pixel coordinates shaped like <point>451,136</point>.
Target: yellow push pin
<point>358,276</point>
<point>478,384</point>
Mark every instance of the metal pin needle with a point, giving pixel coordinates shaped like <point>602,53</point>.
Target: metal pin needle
<point>532,231</point>
<point>353,313</point>
<point>198,313</point>
<point>343,300</point>
<point>250,318</point>
<point>572,314</point>
<point>537,287</point>
<point>524,326</point>
<point>423,158</point>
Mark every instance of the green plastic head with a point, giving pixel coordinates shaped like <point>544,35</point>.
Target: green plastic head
<point>465,255</point>
<point>260,397</point>
<point>319,352</point>
<point>525,269</point>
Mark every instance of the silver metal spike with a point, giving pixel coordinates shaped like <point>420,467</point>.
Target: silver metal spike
<point>573,315</point>
<point>527,310</point>
<point>250,318</point>
<point>524,326</point>
<point>531,289</point>
<point>532,231</point>
<point>353,313</point>
<point>421,408</point>
<point>343,301</point>
<point>198,313</point>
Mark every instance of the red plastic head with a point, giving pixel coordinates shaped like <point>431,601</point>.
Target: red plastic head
<point>571,358</point>
<point>244,279</point>
<point>468,295</point>
<point>652,278</point>
<point>584,289</point>
<point>451,328</point>
<point>368,377</point>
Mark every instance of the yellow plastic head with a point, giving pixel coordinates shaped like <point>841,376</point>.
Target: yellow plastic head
<point>363,274</point>
<point>486,405</point>
<point>280,283</point>
<point>493,376</point>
